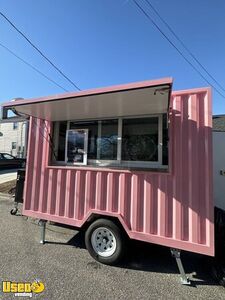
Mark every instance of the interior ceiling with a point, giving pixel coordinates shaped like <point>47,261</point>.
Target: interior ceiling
<point>142,101</point>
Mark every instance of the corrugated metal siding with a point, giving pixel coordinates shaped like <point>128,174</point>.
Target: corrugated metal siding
<point>173,209</point>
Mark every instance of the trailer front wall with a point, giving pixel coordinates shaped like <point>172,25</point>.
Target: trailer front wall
<point>174,209</point>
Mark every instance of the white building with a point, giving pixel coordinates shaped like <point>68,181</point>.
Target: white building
<point>13,137</point>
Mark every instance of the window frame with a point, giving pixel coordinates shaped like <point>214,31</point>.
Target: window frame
<point>160,128</point>
<point>85,160</point>
<point>15,144</point>
<point>118,162</point>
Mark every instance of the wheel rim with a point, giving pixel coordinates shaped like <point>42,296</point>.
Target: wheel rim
<point>103,241</point>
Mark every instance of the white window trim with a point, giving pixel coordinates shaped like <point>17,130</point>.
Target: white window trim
<point>119,162</point>
<point>85,146</point>
<point>160,137</point>
<point>119,140</point>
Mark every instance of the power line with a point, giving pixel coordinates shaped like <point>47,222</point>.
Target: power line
<point>32,67</point>
<point>39,51</point>
<point>185,47</point>
<point>167,38</point>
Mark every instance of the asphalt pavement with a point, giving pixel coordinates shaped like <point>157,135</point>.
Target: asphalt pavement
<point>68,272</point>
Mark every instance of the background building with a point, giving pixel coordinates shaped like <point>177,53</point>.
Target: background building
<point>13,137</point>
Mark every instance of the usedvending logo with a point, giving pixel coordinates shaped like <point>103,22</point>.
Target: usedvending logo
<point>23,289</point>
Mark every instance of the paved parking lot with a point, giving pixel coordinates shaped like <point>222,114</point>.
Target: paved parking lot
<point>68,271</point>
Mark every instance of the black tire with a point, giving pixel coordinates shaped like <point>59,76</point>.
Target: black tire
<point>13,211</point>
<point>119,235</point>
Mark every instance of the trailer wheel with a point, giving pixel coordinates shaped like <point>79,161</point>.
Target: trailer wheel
<point>105,241</point>
<point>13,211</point>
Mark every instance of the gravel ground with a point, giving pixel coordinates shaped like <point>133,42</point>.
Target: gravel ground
<point>68,272</point>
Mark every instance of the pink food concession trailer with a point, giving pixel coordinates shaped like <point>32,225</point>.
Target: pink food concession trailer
<point>132,160</point>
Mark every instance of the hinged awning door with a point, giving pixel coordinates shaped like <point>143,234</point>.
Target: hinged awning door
<point>149,97</point>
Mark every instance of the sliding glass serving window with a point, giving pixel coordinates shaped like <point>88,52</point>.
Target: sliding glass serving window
<point>140,139</point>
<point>123,142</point>
<point>108,140</point>
<point>92,139</point>
<point>101,139</point>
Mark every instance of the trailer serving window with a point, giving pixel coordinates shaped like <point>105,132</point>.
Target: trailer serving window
<point>138,141</point>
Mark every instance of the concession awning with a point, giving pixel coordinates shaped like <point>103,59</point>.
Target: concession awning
<point>141,98</point>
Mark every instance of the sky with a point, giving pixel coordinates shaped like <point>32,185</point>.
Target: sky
<point>100,43</point>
